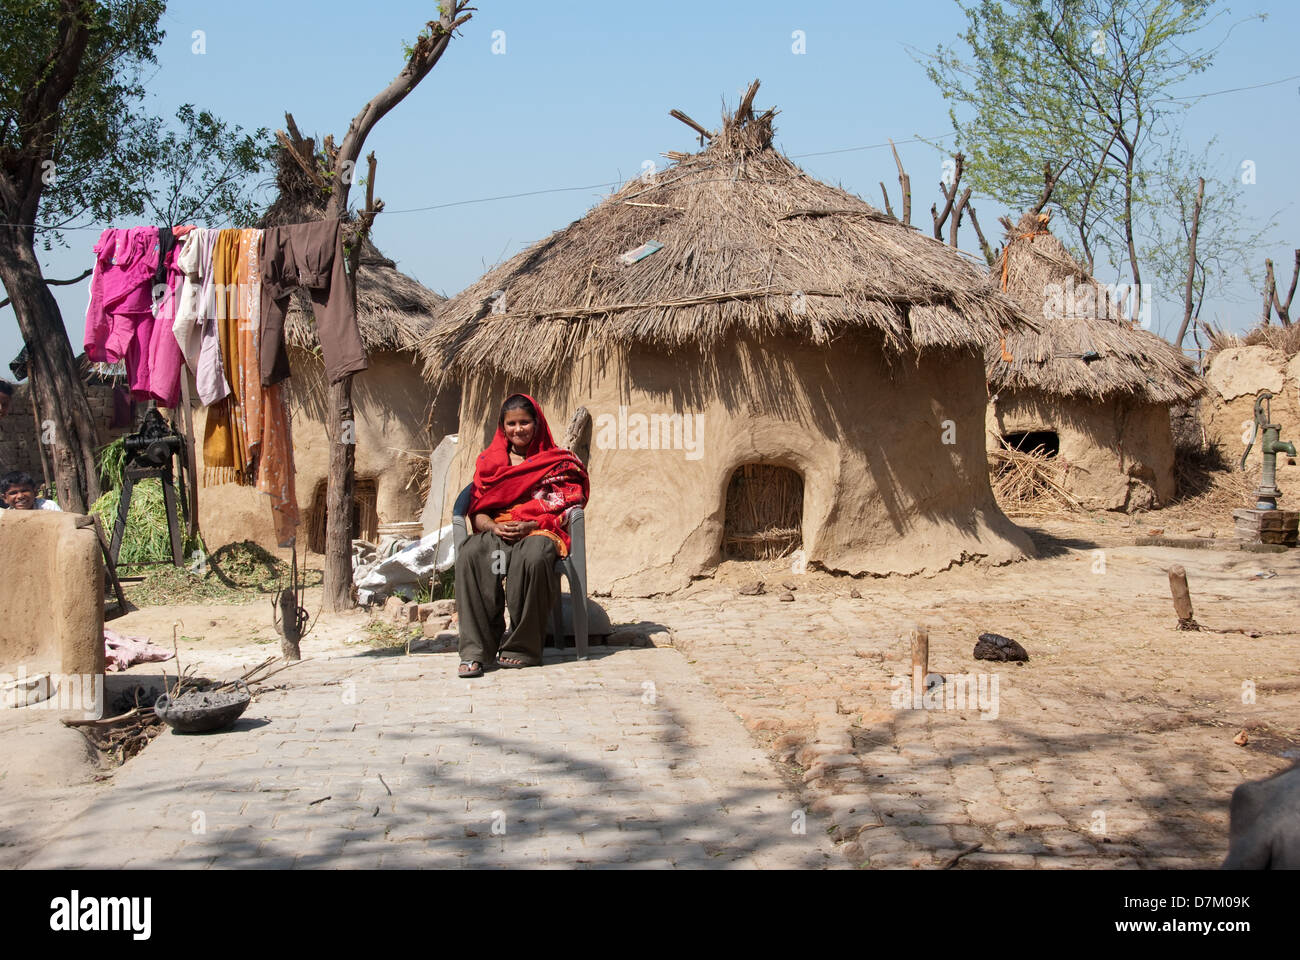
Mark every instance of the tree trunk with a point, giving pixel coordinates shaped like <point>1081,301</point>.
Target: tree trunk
<point>1191,263</point>
<point>1131,240</point>
<point>338,498</point>
<point>57,388</point>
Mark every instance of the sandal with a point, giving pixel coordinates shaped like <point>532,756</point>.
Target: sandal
<point>475,669</point>
<point>510,663</point>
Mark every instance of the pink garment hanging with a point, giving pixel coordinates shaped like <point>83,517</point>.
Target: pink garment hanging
<point>165,359</point>
<point>119,319</point>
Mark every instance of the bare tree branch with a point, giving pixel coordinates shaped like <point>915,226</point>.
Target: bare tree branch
<point>989,255</point>
<point>56,283</point>
<point>1191,262</point>
<point>1049,184</point>
<point>1284,308</point>
<point>1270,291</point>
<point>905,183</point>
<point>957,211</point>
<point>424,57</point>
<point>885,193</point>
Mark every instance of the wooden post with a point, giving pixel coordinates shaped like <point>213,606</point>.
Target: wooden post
<point>338,500</point>
<point>920,657</point>
<point>289,636</point>
<point>1182,598</point>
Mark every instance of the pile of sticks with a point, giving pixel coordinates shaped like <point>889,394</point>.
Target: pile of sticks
<point>118,739</point>
<point>1028,481</point>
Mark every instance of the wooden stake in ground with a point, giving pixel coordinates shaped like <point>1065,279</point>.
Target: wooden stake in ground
<point>920,657</point>
<point>1182,598</point>
<point>289,635</point>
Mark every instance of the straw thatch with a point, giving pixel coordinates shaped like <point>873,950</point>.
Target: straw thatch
<point>1285,340</point>
<point>1093,351</point>
<point>394,311</point>
<point>751,244</point>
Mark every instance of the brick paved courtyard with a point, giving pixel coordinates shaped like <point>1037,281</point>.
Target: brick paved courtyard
<point>755,733</point>
<point>387,761</point>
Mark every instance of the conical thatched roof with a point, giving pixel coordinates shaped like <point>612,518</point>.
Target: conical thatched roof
<point>750,244</point>
<point>1085,346</point>
<point>394,311</point>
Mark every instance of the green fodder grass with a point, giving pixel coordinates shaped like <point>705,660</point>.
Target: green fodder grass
<point>146,539</point>
<point>236,573</point>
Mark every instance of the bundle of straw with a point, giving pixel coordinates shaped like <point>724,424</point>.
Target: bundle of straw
<point>1029,482</point>
<point>764,512</point>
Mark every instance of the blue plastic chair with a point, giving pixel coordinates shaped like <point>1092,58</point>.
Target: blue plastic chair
<point>574,567</point>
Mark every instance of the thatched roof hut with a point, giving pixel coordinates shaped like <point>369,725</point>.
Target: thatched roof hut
<point>1085,345</point>
<point>799,328</point>
<point>1089,375</point>
<point>394,419</point>
<point>752,246</point>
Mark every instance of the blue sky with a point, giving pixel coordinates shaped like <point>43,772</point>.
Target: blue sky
<point>581,95</point>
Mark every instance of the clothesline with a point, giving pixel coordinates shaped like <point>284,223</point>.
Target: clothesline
<point>209,306</point>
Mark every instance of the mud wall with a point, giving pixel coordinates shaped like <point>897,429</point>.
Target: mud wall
<point>1118,454</point>
<point>53,594</point>
<point>19,437</point>
<point>892,456</point>
<point>1236,376</point>
<point>391,404</point>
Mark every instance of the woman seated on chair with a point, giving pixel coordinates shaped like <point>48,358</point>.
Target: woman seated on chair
<point>523,487</point>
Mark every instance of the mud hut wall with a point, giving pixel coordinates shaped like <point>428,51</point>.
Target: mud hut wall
<point>54,603</point>
<point>883,492</point>
<point>19,438</point>
<point>1120,453</point>
<point>391,408</point>
<point>1236,376</point>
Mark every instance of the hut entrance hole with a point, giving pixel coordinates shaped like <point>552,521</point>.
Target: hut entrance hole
<point>1045,442</point>
<point>764,513</point>
<point>365,515</point>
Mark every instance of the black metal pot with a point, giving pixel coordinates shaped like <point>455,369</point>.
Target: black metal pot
<point>203,712</point>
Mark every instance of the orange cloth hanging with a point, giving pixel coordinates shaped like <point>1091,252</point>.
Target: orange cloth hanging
<point>224,446</point>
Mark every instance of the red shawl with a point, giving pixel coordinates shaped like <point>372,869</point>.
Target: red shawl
<point>541,489</point>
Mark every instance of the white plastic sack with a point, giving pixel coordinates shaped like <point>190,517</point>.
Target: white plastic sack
<point>406,570</point>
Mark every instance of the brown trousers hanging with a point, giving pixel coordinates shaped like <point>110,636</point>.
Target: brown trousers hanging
<point>530,591</point>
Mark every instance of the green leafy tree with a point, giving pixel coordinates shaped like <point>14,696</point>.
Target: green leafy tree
<point>76,149</point>
<point>1087,88</point>
<point>70,73</point>
<point>205,171</point>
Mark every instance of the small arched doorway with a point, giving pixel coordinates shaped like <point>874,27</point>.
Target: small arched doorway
<point>365,516</point>
<point>764,512</point>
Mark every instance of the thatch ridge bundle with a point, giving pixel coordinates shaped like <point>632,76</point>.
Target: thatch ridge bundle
<point>750,245</point>
<point>1091,351</point>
